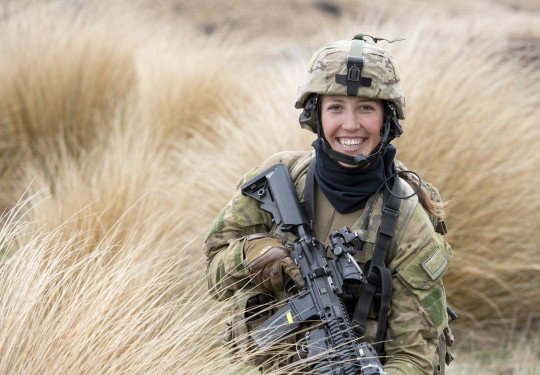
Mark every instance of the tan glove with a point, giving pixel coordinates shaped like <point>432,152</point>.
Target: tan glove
<point>267,260</point>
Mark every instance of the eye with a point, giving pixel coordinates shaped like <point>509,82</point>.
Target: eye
<point>366,108</point>
<point>334,107</point>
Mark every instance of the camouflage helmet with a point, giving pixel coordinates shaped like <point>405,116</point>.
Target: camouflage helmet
<point>354,68</point>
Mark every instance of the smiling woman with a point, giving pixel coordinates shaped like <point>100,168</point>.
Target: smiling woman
<point>351,124</point>
<point>139,117</point>
<point>352,100</point>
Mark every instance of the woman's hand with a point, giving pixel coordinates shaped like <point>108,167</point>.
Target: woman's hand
<point>267,260</point>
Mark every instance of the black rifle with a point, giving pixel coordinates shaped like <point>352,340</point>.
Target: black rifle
<point>331,346</point>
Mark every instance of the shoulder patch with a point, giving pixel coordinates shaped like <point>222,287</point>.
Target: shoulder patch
<point>435,263</point>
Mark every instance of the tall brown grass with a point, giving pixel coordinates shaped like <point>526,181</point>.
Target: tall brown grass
<point>476,125</point>
<point>125,129</point>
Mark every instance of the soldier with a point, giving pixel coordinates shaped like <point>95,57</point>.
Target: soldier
<point>352,99</point>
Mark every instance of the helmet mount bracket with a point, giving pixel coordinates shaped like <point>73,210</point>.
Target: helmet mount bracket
<point>353,79</point>
<point>355,63</point>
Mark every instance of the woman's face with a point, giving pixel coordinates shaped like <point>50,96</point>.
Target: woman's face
<point>352,124</point>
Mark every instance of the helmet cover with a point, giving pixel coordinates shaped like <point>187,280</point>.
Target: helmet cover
<point>353,67</point>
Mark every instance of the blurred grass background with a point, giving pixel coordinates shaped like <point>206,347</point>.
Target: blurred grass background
<point>125,126</point>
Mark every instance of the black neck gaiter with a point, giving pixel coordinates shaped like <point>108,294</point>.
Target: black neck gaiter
<point>348,189</point>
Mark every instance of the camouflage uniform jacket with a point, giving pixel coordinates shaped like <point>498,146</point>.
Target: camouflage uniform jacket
<point>417,259</point>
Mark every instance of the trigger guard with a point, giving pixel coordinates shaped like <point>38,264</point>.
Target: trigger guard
<point>288,285</point>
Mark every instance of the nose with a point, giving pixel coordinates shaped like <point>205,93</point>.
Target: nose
<point>350,121</point>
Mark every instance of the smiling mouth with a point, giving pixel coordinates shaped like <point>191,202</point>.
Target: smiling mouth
<point>351,142</point>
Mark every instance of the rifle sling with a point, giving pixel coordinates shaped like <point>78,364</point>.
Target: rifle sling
<point>382,299</point>
<point>379,279</point>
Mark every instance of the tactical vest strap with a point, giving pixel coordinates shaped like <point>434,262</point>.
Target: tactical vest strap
<point>382,299</point>
<point>379,279</point>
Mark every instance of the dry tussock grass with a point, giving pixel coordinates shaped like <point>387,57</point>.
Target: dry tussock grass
<point>100,314</point>
<point>476,138</point>
<point>125,130</point>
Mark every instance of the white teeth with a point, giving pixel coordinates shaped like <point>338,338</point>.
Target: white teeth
<point>350,142</point>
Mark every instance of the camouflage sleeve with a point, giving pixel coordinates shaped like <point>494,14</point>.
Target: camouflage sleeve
<point>420,257</point>
<point>242,216</point>
<point>223,245</point>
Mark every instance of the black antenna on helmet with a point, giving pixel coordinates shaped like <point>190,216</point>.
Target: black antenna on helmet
<point>376,39</point>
